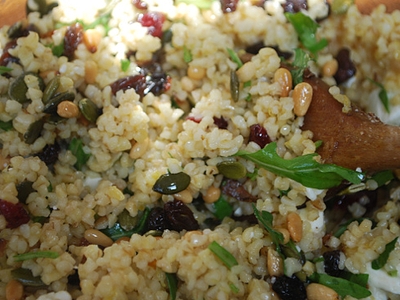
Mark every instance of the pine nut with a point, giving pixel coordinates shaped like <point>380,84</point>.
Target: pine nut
<point>138,149</point>
<point>302,95</point>
<point>92,39</point>
<point>285,233</point>
<point>67,109</point>
<point>284,78</point>
<point>96,237</point>
<point>185,196</point>
<point>330,68</point>
<point>196,73</point>
<point>14,290</point>
<point>212,195</point>
<point>295,226</point>
<point>316,291</point>
<point>274,263</point>
<point>90,72</point>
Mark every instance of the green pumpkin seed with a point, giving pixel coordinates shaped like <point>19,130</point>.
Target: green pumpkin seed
<point>89,110</point>
<point>51,106</point>
<point>51,89</point>
<point>36,5</point>
<point>153,233</point>
<point>24,190</point>
<point>126,221</point>
<point>169,184</point>
<point>234,86</point>
<point>232,169</point>
<point>51,6</point>
<point>55,119</point>
<point>34,131</point>
<point>26,277</point>
<point>15,30</point>
<point>18,88</point>
<point>340,7</point>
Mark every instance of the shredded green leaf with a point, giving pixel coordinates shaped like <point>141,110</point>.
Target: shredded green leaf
<point>4,70</point>
<point>125,63</point>
<point>187,55</point>
<point>224,255</point>
<point>341,286</point>
<point>318,144</point>
<point>234,288</point>
<point>57,50</point>
<point>50,188</point>
<point>382,259</point>
<point>6,126</point>
<point>202,4</point>
<point>383,177</point>
<point>266,219</point>
<point>303,169</point>
<point>343,227</point>
<point>300,63</point>
<point>360,279</point>
<point>38,254</point>
<point>116,232</point>
<point>382,95</point>
<point>76,147</point>
<point>253,176</point>
<point>235,58</point>
<point>221,208</point>
<point>306,29</point>
<point>172,284</point>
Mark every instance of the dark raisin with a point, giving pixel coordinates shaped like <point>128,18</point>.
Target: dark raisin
<point>221,123</point>
<point>255,48</point>
<point>6,57</point>
<point>24,189</point>
<point>73,279</point>
<point>156,220</point>
<point>346,67</point>
<point>139,4</point>
<point>331,263</point>
<point>235,189</point>
<point>73,37</point>
<point>49,154</point>
<point>294,6</point>
<point>228,6</point>
<point>259,135</point>
<point>289,288</point>
<point>137,82</point>
<point>15,214</point>
<point>180,216</point>
<point>153,21</point>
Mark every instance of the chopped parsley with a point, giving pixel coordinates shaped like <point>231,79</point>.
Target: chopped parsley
<point>187,55</point>
<point>76,147</point>
<point>38,254</point>
<point>382,259</point>
<point>300,63</point>
<point>224,255</point>
<point>125,63</point>
<point>222,209</point>
<point>6,126</point>
<point>382,95</point>
<point>4,70</point>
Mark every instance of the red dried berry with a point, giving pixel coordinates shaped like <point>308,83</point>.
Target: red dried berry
<point>139,4</point>
<point>194,119</point>
<point>154,21</point>
<point>15,214</point>
<point>259,135</point>
<point>229,6</point>
<point>73,37</point>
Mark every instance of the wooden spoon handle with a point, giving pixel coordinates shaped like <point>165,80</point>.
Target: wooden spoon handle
<point>12,11</point>
<point>351,140</point>
<point>367,6</point>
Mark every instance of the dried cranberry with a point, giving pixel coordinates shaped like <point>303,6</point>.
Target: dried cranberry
<point>236,190</point>
<point>15,214</point>
<point>346,67</point>
<point>331,263</point>
<point>139,4</point>
<point>194,119</point>
<point>289,288</point>
<point>6,57</point>
<point>259,135</point>
<point>180,216</point>
<point>229,6</point>
<point>49,154</point>
<point>294,6</point>
<point>156,220</point>
<point>154,21</point>
<point>73,37</point>
<point>221,123</point>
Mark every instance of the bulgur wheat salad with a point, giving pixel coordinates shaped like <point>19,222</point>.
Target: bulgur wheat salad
<point>154,149</point>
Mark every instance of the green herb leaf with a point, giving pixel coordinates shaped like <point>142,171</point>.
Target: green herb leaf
<point>382,95</point>
<point>4,70</point>
<point>253,176</point>
<point>221,208</point>
<point>101,20</point>
<point>76,147</point>
<point>266,219</point>
<point>235,58</point>
<point>306,29</point>
<point>125,63</point>
<point>303,169</point>
<point>172,284</point>
<point>382,259</point>
<point>224,255</point>
<point>318,144</point>
<point>392,273</point>
<point>318,259</point>
<point>116,232</point>
<point>187,55</point>
<point>202,4</point>
<point>300,63</point>
<point>6,126</point>
<point>234,288</point>
<point>341,286</point>
<point>38,254</point>
<point>57,50</point>
<point>383,177</point>
<point>360,279</point>
<point>343,227</point>
<point>50,188</point>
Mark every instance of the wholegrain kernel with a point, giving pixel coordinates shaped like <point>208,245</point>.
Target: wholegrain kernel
<point>295,226</point>
<point>284,78</point>
<point>67,109</point>
<point>212,195</point>
<point>196,73</point>
<point>302,96</point>
<point>115,193</point>
<point>90,72</point>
